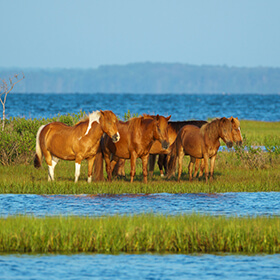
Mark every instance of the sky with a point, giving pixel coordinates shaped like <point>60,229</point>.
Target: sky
<point>89,33</point>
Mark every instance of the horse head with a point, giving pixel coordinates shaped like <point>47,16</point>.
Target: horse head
<point>226,131</point>
<point>108,122</point>
<point>236,132</point>
<point>161,130</point>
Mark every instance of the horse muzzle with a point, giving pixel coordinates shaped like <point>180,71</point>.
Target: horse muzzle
<point>116,137</point>
<point>229,144</point>
<point>165,144</point>
<point>239,143</point>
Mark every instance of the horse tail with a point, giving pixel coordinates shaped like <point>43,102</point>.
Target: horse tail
<point>171,160</point>
<point>98,165</point>
<point>38,155</point>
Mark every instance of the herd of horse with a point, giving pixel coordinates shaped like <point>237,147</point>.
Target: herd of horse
<point>102,137</point>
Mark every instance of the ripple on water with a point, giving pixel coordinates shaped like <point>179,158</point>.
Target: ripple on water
<point>142,266</point>
<point>237,204</point>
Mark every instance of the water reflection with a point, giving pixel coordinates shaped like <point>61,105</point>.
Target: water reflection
<point>146,266</point>
<point>240,204</point>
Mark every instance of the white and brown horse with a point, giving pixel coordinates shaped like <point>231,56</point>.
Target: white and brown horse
<point>57,141</point>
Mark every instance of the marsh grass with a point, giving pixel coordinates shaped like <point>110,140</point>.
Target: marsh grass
<point>231,175</point>
<point>140,233</point>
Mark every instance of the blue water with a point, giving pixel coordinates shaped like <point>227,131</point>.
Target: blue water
<point>179,106</point>
<point>146,266</point>
<point>229,204</point>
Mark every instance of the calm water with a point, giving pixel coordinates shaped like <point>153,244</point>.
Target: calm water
<point>180,106</point>
<point>146,266</point>
<point>237,204</point>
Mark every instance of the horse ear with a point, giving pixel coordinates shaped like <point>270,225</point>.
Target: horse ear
<point>168,118</point>
<point>231,119</point>
<point>157,117</point>
<point>102,112</point>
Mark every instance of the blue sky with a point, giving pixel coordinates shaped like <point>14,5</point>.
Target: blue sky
<point>90,33</point>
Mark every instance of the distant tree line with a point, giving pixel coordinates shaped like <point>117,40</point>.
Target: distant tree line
<point>149,78</point>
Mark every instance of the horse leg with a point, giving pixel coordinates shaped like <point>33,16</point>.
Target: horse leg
<point>196,168</point>
<point>161,163</point>
<point>192,161</point>
<point>77,168</point>
<point>180,161</point>
<point>132,164</point>
<point>113,163</point>
<point>212,164</point>
<point>108,166</point>
<point>206,157</point>
<point>90,167</point>
<point>51,165</point>
<point>202,165</point>
<point>145,167</point>
<point>152,161</point>
<point>121,171</point>
<point>165,163</point>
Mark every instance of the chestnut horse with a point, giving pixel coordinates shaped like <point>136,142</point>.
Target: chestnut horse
<point>136,138</point>
<point>57,141</point>
<point>237,138</point>
<point>173,129</point>
<point>200,143</point>
<point>156,149</point>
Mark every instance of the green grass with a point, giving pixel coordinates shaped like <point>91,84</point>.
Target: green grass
<point>232,174</point>
<point>261,133</point>
<point>143,233</point>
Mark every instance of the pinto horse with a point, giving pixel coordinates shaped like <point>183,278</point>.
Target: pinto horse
<point>200,143</point>
<point>237,138</point>
<point>57,141</point>
<point>136,138</point>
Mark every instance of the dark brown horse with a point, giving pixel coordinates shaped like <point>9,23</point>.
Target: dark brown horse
<point>237,138</point>
<point>136,138</point>
<point>200,143</point>
<point>57,141</point>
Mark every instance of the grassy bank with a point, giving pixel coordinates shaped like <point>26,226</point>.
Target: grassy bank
<point>250,171</point>
<point>232,174</point>
<point>144,233</point>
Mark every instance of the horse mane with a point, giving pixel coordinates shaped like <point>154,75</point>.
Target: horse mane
<point>92,117</point>
<point>210,128</point>
<point>136,122</point>
<point>236,122</point>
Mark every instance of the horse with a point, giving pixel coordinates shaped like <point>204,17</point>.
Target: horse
<point>156,149</point>
<point>173,129</point>
<point>136,138</point>
<point>57,141</point>
<point>200,143</point>
<point>237,138</point>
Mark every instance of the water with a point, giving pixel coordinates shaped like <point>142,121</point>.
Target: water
<point>237,204</point>
<point>146,266</point>
<point>180,106</point>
